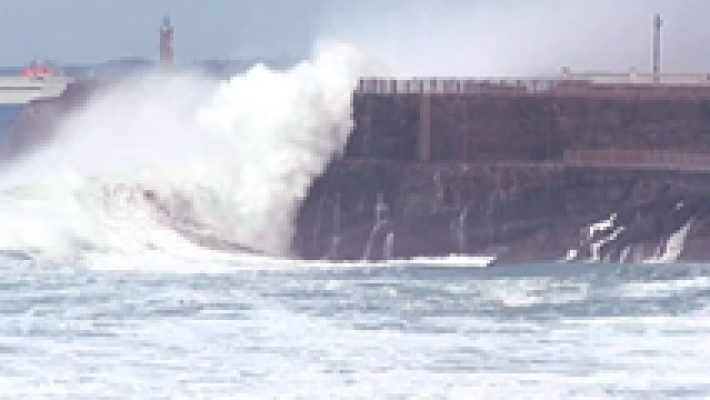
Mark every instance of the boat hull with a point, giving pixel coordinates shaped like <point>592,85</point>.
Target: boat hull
<point>23,90</point>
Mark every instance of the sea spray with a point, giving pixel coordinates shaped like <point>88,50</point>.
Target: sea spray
<point>177,163</point>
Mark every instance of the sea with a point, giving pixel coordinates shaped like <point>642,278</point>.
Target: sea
<point>101,299</point>
<point>290,330</point>
<point>8,114</point>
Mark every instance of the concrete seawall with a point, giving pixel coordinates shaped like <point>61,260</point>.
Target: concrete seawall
<point>532,126</point>
<point>517,170</point>
<point>520,212</point>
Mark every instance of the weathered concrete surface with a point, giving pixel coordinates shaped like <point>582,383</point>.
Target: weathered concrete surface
<point>379,210</point>
<point>536,127</point>
<point>436,174</point>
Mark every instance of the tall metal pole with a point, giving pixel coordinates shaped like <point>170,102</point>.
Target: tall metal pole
<point>657,26</point>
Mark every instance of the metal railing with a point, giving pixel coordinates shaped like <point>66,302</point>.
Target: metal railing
<point>452,85</point>
<point>608,83</point>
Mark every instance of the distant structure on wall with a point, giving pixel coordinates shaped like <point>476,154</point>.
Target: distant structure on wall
<point>657,26</point>
<point>167,50</point>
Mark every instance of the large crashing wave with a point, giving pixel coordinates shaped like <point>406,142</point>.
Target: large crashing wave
<point>178,164</point>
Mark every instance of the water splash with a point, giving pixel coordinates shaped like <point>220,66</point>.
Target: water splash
<point>625,254</point>
<point>460,229</point>
<point>571,255</point>
<point>597,246</point>
<point>379,223</point>
<point>388,252</point>
<point>168,162</point>
<point>602,226</point>
<point>674,246</point>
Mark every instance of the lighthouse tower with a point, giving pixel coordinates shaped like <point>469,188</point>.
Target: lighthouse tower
<point>167,51</point>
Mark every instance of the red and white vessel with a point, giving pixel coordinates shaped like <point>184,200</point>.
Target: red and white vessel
<point>36,81</point>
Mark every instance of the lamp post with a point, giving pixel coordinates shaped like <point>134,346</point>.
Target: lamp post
<point>657,26</point>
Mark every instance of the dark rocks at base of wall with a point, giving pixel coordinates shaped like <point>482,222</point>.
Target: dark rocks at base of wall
<point>521,213</point>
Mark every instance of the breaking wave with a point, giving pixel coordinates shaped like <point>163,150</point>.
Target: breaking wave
<point>178,164</point>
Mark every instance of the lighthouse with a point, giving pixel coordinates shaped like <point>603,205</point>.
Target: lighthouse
<point>167,51</point>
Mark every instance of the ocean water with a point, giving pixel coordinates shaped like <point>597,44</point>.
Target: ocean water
<point>8,114</point>
<point>115,282</point>
<point>291,330</point>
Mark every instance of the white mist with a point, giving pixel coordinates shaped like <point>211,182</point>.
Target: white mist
<point>164,158</point>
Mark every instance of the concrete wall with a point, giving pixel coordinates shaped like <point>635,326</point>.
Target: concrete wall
<point>432,170</point>
<point>522,212</point>
<point>501,127</point>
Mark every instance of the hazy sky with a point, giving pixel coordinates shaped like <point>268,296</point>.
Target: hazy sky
<point>425,37</point>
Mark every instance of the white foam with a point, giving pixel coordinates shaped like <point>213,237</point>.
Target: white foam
<point>571,255</point>
<point>597,246</point>
<point>454,260</point>
<point>217,262</point>
<point>602,225</point>
<point>663,289</point>
<point>625,254</point>
<point>674,246</point>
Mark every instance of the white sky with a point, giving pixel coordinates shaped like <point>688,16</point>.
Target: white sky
<point>423,37</point>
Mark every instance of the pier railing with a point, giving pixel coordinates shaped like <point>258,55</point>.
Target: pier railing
<point>646,85</point>
<point>451,85</point>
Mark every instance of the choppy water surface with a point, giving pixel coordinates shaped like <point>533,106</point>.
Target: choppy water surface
<point>533,331</point>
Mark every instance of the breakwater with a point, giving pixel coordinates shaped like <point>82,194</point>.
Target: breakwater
<point>526,121</point>
<point>520,169</point>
